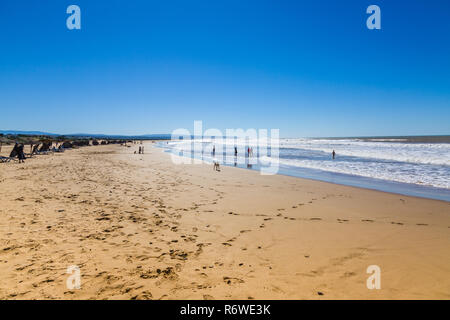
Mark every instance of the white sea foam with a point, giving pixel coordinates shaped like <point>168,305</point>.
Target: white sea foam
<point>431,153</point>
<point>407,173</point>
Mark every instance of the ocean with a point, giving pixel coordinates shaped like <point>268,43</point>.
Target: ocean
<point>416,166</point>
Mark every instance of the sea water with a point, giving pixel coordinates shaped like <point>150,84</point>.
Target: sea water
<point>409,165</point>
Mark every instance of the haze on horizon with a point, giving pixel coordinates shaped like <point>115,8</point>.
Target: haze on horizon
<point>308,69</point>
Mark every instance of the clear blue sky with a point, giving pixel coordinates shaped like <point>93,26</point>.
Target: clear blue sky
<point>308,68</point>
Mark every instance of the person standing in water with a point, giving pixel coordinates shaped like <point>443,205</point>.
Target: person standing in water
<point>235,151</point>
<point>214,150</point>
<point>333,154</point>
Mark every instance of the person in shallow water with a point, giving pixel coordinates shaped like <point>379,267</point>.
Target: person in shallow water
<point>333,154</point>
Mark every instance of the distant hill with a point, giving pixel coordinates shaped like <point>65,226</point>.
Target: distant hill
<point>31,133</point>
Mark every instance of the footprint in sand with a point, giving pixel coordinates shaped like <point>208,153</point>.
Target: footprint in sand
<point>229,280</point>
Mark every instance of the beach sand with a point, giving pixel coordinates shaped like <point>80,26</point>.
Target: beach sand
<point>141,227</point>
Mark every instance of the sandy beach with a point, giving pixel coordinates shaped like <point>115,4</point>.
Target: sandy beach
<point>141,227</point>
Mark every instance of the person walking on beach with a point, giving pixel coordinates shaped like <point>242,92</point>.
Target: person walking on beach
<point>140,149</point>
<point>20,153</point>
<point>333,154</point>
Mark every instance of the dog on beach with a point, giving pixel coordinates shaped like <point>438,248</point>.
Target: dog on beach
<point>216,165</point>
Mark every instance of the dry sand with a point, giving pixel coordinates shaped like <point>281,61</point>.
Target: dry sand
<point>139,226</point>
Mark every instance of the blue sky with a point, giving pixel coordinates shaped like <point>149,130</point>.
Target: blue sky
<point>308,68</point>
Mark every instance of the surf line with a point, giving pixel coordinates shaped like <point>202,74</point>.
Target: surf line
<point>192,310</point>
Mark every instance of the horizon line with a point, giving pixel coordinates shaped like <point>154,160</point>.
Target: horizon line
<point>38,132</point>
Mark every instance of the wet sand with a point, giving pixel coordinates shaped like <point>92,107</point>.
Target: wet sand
<point>141,227</point>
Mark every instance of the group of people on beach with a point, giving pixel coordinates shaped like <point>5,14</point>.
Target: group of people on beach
<point>249,151</point>
<point>249,154</point>
<point>216,162</point>
<point>18,151</point>
<point>141,150</point>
